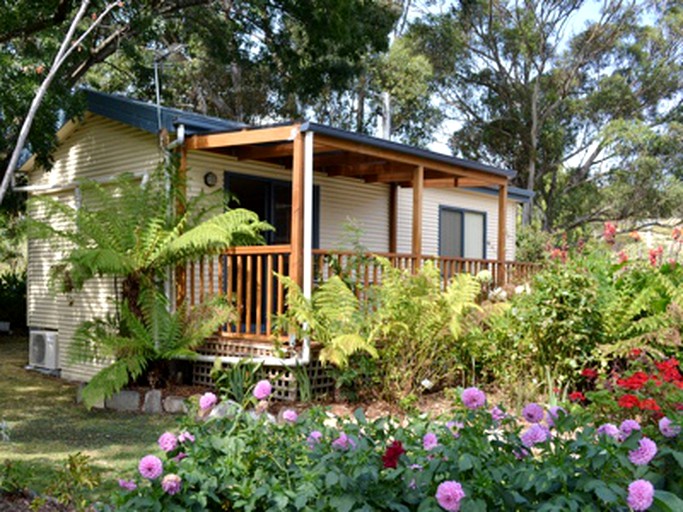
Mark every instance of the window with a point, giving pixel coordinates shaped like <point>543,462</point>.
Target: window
<point>462,233</point>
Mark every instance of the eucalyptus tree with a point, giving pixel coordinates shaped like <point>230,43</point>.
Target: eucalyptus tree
<point>589,115</point>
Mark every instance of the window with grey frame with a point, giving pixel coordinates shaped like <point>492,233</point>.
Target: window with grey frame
<point>462,233</point>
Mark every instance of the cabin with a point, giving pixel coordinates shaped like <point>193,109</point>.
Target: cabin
<point>308,180</point>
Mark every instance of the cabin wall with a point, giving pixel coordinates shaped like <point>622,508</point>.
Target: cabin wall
<point>97,148</point>
<point>455,198</point>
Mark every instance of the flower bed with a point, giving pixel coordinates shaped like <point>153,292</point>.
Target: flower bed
<point>476,459</point>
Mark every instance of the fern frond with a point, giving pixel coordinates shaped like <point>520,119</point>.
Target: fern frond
<point>338,350</point>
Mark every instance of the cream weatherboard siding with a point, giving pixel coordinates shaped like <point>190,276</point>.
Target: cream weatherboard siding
<point>97,148</point>
<point>455,198</point>
<point>342,200</point>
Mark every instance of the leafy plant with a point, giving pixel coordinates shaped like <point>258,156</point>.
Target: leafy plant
<point>129,231</point>
<point>332,317</point>
<point>419,327</point>
<point>246,462</point>
<point>237,380</point>
<point>13,297</point>
<point>72,483</point>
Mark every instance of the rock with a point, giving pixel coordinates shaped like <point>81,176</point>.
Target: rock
<point>226,409</point>
<point>124,401</point>
<point>175,405</point>
<point>79,397</point>
<point>152,403</point>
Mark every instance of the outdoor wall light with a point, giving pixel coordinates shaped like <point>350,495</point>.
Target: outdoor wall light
<point>210,179</point>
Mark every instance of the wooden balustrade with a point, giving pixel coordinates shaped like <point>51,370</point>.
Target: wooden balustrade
<point>246,276</point>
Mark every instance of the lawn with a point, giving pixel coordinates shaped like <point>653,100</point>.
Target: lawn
<point>46,425</point>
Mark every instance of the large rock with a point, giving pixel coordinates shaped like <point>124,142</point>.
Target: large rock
<point>152,403</point>
<point>225,409</point>
<point>124,401</point>
<point>175,405</point>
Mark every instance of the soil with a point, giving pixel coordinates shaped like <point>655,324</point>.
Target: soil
<point>21,502</point>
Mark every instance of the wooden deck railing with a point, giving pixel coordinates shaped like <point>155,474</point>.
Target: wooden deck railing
<point>246,276</point>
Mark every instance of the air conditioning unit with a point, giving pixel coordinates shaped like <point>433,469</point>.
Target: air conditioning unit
<point>43,349</point>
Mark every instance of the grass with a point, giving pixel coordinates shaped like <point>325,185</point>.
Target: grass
<point>46,425</point>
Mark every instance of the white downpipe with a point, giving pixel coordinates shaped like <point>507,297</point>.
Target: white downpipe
<point>307,288</point>
<point>180,138</point>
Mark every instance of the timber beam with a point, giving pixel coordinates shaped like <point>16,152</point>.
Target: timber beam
<point>243,137</point>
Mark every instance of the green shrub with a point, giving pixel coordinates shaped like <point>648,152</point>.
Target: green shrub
<point>13,298</point>
<point>246,462</point>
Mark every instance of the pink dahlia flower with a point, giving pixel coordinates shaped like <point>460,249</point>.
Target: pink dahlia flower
<point>186,437</point>
<point>128,485</point>
<point>646,451</point>
<point>290,416</point>
<point>207,401</point>
<point>151,467</point>
<point>473,398</point>
<point>430,441</point>
<point>343,442</point>
<point>497,414</point>
<point>640,495</point>
<point>449,494</point>
<point>535,434</point>
<point>533,413</point>
<point>168,442</point>
<point>609,429</point>
<point>171,484</point>
<point>262,390</point>
<point>554,414</point>
<point>667,428</point>
<point>628,426</point>
<point>314,438</point>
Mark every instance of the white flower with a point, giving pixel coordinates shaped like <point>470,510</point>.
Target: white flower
<point>484,276</point>
<point>427,384</point>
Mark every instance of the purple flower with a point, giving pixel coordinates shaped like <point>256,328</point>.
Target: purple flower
<point>609,429</point>
<point>430,441</point>
<point>290,416</point>
<point>343,442</point>
<point>646,451</point>
<point>180,456</point>
<point>186,437</point>
<point>449,494</point>
<point>520,453</point>
<point>171,484</point>
<point>262,390</point>
<point>168,442</point>
<point>554,414</point>
<point>473,398</point>
<point>535,434</point>
<point>640,495</point>
<point>497,414</point>
<point>667,428</point>
<point>151,467</point>
<point>628,426</point>
<point>128,485</point>
<point>533,413</point>
<point>314,438</point>
<point>207,401</point>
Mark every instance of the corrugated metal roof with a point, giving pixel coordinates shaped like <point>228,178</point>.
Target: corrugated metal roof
<point>143,115</point>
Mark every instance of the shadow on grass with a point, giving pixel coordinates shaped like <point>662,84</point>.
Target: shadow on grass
<point>46,425</point>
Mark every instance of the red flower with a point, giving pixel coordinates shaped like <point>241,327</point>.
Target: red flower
<point>636,352</point>
<point>649,404</point>
<point>628,401</point>
<point>392,454</point>
<point>669,370</point>
<point>608,232</point>
<point>589,373</point>
<point>577,396</point>
<point>634,382</point>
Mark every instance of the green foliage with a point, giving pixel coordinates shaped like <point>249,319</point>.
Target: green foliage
<point>331,317</point>
<point>14,477</point>
<point>72,483</point>
<point>13,298</point>
<point>237,381</point>
<point>252,464</point>
<point>418,328</point>
<point>134,342</point>
<point>127,230</point>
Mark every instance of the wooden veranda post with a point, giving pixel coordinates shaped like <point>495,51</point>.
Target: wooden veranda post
<point>418,189</point>
<point>180,270</point>
<point>297,237</point>
<point>502,231</point>
<point>393,217</point>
